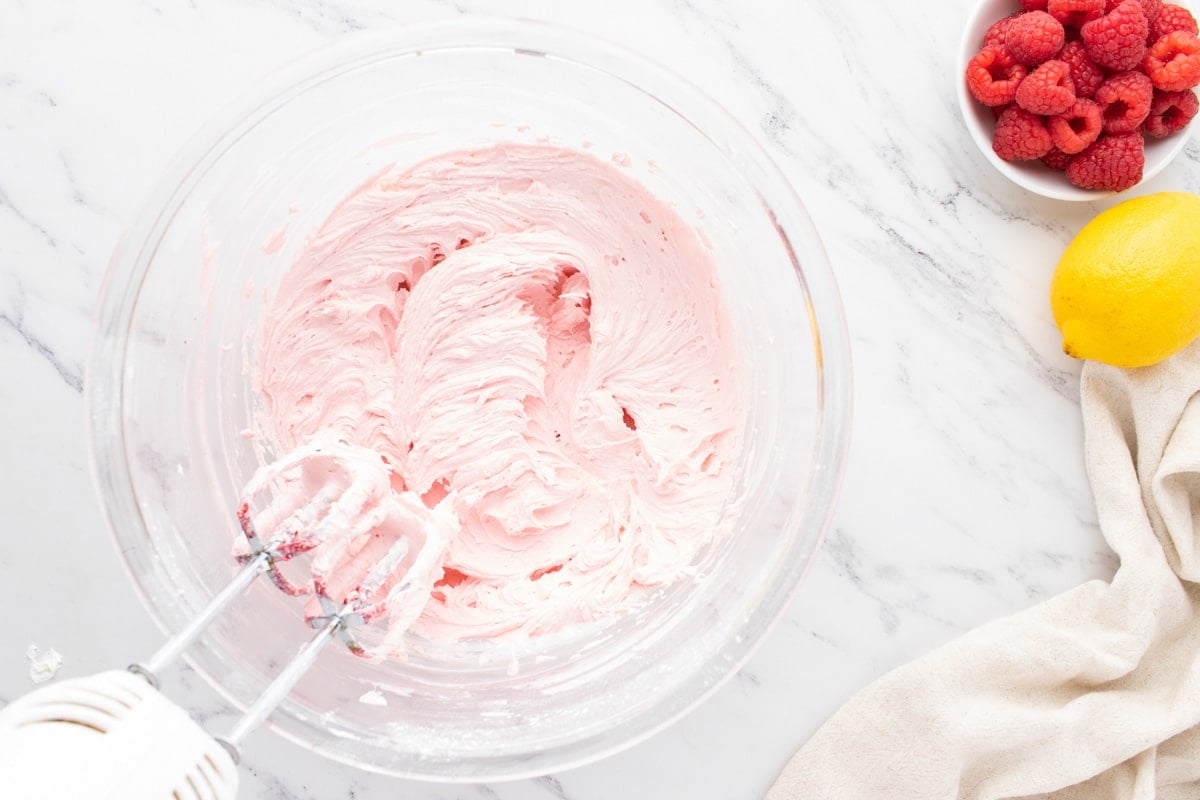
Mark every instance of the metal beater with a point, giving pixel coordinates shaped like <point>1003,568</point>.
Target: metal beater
<point>114,736</point>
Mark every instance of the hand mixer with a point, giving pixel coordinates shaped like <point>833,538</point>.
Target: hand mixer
<point>114,736</point>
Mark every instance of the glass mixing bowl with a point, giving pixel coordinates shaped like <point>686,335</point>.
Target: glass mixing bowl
<point>170,394</point>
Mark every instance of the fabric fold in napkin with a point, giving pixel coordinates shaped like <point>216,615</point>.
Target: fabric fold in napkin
<point>1094,693</point>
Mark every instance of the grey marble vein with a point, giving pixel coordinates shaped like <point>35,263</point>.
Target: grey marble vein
<point>965,497</point>
<point>10,208</point>
<point>70,375</point>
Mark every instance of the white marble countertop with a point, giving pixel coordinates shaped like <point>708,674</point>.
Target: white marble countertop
<point>965,497</point>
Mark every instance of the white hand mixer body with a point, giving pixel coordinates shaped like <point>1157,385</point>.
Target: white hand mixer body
<point>109,736</point>
<point>114,736</point>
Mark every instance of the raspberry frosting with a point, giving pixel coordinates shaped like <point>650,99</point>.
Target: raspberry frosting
<point>536,348</point>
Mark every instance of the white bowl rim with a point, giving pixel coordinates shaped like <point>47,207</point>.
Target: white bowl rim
<point>1028,175</point>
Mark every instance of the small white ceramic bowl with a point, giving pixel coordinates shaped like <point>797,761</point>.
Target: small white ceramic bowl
<point>1034,175</point>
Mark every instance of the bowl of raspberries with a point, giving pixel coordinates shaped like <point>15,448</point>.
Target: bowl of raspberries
<point>1078,99</point>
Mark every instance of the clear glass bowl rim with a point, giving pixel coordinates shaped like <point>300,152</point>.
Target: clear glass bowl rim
<point>129,263</point>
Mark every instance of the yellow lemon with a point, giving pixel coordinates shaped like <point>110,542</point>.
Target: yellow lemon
<point>1127,289</point>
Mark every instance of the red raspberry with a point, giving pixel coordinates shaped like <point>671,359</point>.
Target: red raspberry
<point>1047,90</point>
<point>1114,163</point>
<point>1171,112</point>
<point>1073,13</point>
<point>1086,76</point>
<point>1172,18</point>
<point>1074,130</point>
<point>1125,100</point>
<point>1035,37</point>
<point>1057,160</point>
<point>1033,5</point>
<point>993,76</point>
<point>1149,7</point>
<point>1020,135</point>
<point>1173,63</point>
<point>1117,41</point>
<point>995,34</point>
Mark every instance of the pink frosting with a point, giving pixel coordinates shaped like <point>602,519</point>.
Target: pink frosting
<point>535,347</point>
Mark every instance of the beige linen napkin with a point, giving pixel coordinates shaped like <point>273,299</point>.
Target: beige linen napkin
<point>1093,694</point>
